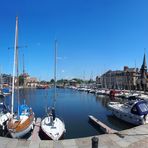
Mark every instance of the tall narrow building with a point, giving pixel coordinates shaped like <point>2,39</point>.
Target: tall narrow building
<point>143,71</point>
<point>144,68</point>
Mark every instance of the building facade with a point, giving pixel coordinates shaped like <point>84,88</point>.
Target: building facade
<point>119,79</point>
<point>5,79</point>
<point>128,78</point>
<point>31,82</point>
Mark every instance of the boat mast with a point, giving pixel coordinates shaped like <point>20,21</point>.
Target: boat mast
<point>55,70</point>
<point>23,65</point>
<point>17,70</point>
<point>1,78</point>
<point>23,72</point>
<point>14,64</point>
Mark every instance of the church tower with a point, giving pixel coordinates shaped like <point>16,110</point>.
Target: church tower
<point>143,71</point>
<point>144,68</point>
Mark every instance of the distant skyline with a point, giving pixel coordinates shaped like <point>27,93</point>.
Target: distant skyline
<point>93,36</point>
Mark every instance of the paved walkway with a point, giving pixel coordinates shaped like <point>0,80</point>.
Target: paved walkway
<point>136,137</point>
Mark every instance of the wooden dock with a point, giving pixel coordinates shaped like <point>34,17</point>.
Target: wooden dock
<point>102,126</point>
<point>35,133</point>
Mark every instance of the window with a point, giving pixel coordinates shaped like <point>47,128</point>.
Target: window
<point>143,107</point>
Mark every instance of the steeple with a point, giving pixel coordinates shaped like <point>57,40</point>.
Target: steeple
<point>144,67</point>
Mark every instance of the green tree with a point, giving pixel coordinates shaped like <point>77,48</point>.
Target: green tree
<point>52,81</point>
<point>21,80</point>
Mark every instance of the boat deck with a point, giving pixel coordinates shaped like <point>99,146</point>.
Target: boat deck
<point>122,107</point>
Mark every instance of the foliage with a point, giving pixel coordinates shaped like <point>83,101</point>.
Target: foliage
<point>62,81</point>
<point>77,80</point>
<point>21,80</point>
<point>52,81</point>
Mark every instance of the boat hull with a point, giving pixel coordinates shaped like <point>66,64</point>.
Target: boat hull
<point>18,129</point>
<point>44,136</point>
<point>4,118</point>
<point>127,116</point>
<point>21,133</point>
<point>47,129</point>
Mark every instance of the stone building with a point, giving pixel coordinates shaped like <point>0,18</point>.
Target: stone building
<point>128,78</point>
<point>5,79</point>
<point>31,82</point>
<point>98,82</point>
<point>119,79</point>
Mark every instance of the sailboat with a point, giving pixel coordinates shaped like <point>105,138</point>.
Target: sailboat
<point>51,126</point>
<point>20,124</point>
<point>4,112</point>
<point>4,90</point>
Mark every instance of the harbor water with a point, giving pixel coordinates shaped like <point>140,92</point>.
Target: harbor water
<point>73,107</point>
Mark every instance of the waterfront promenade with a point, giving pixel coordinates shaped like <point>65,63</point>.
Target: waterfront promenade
<point>133,138</point>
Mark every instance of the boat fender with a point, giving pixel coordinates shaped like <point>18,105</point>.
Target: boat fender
<point>34,121</point>
<point>3,127</point>
<point>32,126</point>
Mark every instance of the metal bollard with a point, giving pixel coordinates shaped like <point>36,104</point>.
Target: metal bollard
<point>95,142</point>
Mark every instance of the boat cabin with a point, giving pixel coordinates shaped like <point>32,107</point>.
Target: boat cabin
<point>24,110</point>
<point>140,108</point>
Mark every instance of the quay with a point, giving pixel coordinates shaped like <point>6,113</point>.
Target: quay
<point>35,134</point>
<point>102,126</point>
<point>131,138</point>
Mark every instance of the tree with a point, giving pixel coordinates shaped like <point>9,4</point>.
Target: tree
<point>21,80</point>
<point>52,81</point>
<point>79,81</point>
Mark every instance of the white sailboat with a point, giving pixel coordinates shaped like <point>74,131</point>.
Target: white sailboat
<point>4,112</point>
<point>20,124</point>
<point>135,112</point>
<point>51,125</point>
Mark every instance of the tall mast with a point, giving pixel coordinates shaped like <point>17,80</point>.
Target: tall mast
<point>1,78</point>
<point>23,65</point>
<point>15,63</point>
<point>55,70</point>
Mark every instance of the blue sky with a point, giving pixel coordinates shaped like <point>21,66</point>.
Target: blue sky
<point>93,35</point>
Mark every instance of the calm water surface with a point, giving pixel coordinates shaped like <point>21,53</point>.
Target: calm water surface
<point>73,107</point>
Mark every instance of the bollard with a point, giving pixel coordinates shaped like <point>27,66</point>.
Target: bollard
<point>95,142</point>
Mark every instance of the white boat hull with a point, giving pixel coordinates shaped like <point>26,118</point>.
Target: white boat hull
<point>4,118</point>
<point>126,115</point>
<point>53,131</point>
